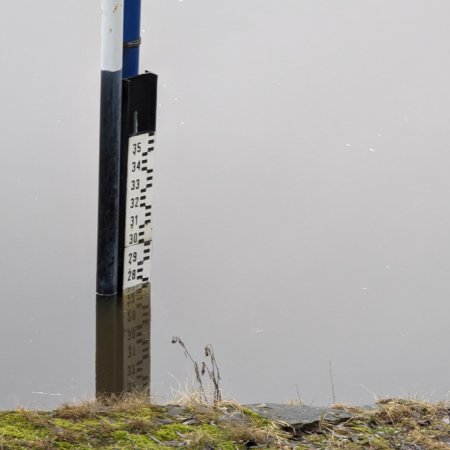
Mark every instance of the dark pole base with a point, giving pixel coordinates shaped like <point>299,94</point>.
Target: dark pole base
<point>109,177</point>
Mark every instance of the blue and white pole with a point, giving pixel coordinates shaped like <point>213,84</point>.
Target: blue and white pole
<point>110,145</point>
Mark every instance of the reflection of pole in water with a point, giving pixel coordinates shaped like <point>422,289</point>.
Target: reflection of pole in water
<point>123,341</point>
<point>136,337</point>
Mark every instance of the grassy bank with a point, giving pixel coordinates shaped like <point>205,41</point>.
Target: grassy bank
<point>133,423</point>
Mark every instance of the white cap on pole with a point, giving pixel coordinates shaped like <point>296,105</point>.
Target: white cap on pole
<point>112,35</point>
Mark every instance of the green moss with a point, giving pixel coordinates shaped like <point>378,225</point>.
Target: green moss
<point>170,432</point>
<point>82,426</point>
<point>142,441</point>
<point>16,427</point>
<point>67,445</point>
<point>379,444</point>
<point>255,417</point>
<point>130,440</point>
<point>121,435</point>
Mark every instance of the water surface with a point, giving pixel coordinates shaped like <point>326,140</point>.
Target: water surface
<point>301,198</point>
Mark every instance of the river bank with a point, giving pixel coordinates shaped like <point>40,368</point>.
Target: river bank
<point>132,422</point>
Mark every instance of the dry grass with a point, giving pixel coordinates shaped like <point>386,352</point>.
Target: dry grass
<point>129,401</point>
<point>394,424</point>
<point>209,424</point>
<point>428,442</point>
<point>141,426</point>
<point>243,425</point>
<point>234,421</point>
<point>399,410</point>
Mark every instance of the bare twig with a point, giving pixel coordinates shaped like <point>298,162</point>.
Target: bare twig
<point>177,340</point>
<point>332,382</point>
<point>299,397</point>
<point>212,371</point>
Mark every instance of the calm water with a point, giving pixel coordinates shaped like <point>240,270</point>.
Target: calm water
<point>302,208</point>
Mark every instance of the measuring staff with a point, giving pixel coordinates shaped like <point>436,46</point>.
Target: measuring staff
<point>127,129</point>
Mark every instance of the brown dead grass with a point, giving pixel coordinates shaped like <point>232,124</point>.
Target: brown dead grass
<point>399,410</point>
<point>130,401</point>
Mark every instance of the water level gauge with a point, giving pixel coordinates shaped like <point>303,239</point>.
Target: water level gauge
<point>138,211</point>
<point>138,143</point>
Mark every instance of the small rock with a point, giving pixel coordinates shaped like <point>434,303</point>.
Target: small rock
<point>177,412</point>
<point>299,418</point>
<point>412,447</point>
<point>191,421</point>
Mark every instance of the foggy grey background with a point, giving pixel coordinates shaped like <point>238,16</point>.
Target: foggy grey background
<point>301,205</point>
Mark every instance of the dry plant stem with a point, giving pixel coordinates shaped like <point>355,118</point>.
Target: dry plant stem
<point>332,382</point>
<point>214,373</point>
<point>299,397</point>
<point>212,370</point>
<point>177,340</point>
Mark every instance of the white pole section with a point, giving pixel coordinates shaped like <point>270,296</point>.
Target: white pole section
<point>112,35</point>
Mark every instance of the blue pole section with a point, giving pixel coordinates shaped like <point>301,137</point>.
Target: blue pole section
<point>131,38</point>
<point>110,144</point>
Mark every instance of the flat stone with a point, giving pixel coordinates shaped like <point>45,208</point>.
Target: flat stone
<point>177,412</point>
<point>299,418</point>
